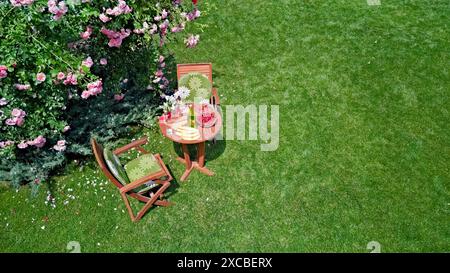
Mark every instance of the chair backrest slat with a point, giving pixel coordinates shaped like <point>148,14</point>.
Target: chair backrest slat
<point>203,68</point>
<point>98,153</point>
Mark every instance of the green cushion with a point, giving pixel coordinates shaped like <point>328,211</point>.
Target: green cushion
<point>143,166</point>
<point>198,84</point>
<point>115,167</point>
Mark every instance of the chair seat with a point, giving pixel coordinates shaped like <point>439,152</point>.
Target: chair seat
<point>142,166</point>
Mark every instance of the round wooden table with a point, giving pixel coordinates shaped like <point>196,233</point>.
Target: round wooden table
<point>167,128</point>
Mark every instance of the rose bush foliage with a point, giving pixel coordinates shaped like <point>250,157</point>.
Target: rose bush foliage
<point>76,68</point>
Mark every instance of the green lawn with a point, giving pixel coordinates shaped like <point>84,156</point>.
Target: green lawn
<point>364,149</point>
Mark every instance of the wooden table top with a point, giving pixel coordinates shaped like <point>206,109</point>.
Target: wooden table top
<point>168,129</point>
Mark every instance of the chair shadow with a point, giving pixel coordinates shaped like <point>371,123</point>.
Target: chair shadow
<point>213,150</point>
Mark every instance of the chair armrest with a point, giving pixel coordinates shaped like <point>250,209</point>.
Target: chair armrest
<point>142,181</point>
<point>135,144</point>
<point>215,100</point>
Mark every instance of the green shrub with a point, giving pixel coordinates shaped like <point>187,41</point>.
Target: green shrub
<point>73,69</point>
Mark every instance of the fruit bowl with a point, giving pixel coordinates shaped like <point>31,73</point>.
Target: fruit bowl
<point>205,115</point>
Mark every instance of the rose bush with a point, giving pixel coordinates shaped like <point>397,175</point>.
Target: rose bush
<point>72,69</point>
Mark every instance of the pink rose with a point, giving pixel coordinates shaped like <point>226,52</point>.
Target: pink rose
<point>16,112</point>
<point>60,76</point>
<point>85,35</point>
<point>164,14</point>
<point>60,146</point>
<point>19,3</point>
<point>22,86</point>
<point>88,62</point>
<point>85,94</point>
<point>71,79</point>
<point>19,121</point>
<point>38,142</point>
<point>104,18</point>
<point>153,29</point>
<point>192,41</point>
<point>66,128</point>
<point>3,102</point>
<point>103,61</point>
<point>119,97</point>
<point>115,38</point>
<point>3,71</point>
<point>22,145</point>
<point>95,88</point>
<point>121,8</point>
<point>10,122</point>
<point>40,77</point>
<point>57,10</point>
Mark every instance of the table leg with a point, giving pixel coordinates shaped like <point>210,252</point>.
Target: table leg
<point>200,165</point>
<point>187,162</point>
<point>201,154</point>
<point>190,165</point>
<point>187,158</point>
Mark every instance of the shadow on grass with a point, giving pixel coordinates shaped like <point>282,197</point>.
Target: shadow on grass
<point>214,149</point>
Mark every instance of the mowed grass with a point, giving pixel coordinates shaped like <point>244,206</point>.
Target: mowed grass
<point>364,146</point>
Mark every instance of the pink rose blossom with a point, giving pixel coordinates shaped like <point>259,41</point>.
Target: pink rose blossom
<point>71,79</point>
<point>22,145</point>
<point>121,8</point>
<point>104,18</point>
<point>22,86</point>
<point>40,77</point>
<point>85,94</point>
<point>103,61</point>
<point>66,128</point>
<point>57,9</point>
<point>60,146</point>
<point>60,76</point>
<point>85,35</point>
<point>3,102</point>
<point>10,122</point>
<point>88,62</point>
<point>19,3</point>
<point>3,71</point>
<point>115,38</point>
<point>192,41</point>
<point>93,89</point>
<point>4,144</point>
<point>119,97</point>
<point>16,112</point>
<point>38,142</point>
<point>178,28</point>
<point>153,29</point>
<point>19,121</point>
<point>164,14</point>
<point>191,16</point>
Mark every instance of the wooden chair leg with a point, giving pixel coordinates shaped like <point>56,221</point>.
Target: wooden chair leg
<point>153,200</point>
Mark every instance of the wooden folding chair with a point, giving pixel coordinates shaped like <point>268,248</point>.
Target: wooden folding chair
<point>202,68</point>
<point>162,178</point>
